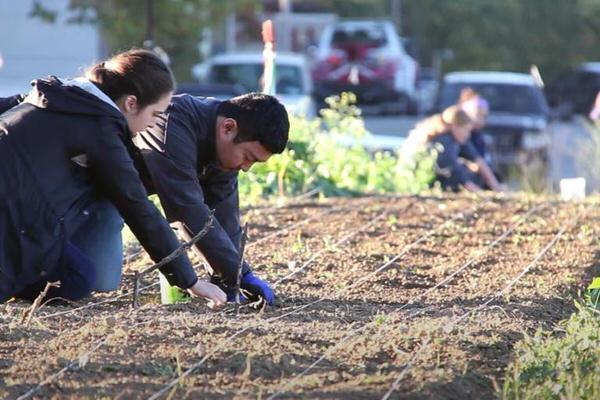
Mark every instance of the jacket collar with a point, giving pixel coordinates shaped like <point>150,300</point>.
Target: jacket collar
<point>208,150</point>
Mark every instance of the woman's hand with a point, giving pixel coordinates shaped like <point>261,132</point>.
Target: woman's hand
<point>215,296</point>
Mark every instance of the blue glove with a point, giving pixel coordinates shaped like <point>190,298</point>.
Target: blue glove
<point>257,287</point>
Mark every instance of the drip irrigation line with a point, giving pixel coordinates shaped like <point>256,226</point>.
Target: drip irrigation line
<point>190,370</point>
<point>141,289</point>
<point>91,305</point>
<point>178,252</point>
<point>475,258</point>
<point>222,344</point>
<point>287,201</point>
<point>405,250</point>
<point>73,365</point>
<point>456,321</point>
<point>337,243</point>
<point>295,225</point>
<point>514,281</point>
<point>133,256</point>
<point>291,202</point>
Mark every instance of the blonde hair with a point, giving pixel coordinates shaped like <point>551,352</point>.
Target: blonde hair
<point>440,123</point>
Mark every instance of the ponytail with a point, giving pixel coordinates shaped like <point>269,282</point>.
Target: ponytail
<point>135,72</point>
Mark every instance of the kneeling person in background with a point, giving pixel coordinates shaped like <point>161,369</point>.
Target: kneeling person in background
<point>458,163</point>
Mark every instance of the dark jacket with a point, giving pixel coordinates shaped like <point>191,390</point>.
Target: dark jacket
<point>450,171</point>
<point>180,156</point>
<point>44,193</point>
<point>6,103</point>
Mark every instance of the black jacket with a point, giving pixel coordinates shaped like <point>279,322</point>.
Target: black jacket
<point>6,103</point>
<point>43,192</point>
<point>180,157</point>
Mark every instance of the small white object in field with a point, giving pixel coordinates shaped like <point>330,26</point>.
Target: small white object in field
<point>572,189</point>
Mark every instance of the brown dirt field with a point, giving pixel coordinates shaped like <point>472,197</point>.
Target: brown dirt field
<point>390,297</point>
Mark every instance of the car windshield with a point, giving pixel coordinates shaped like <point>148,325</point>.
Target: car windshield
<point>288,77</point>
<point>503,98</point>
<point>374,36</point>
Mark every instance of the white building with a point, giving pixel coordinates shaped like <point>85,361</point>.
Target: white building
<point>31,48</point>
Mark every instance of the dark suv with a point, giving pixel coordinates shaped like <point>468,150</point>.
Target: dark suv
<point>574,91</point>
<point>515,132</point>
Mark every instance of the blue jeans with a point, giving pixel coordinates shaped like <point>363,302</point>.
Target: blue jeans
<point>75,273</point>
<point>91,259</point>
<point>100,240</point>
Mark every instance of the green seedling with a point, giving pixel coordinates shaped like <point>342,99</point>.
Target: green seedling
<point>592,294</point>
<point>380,319</point>
<point>298,244</point>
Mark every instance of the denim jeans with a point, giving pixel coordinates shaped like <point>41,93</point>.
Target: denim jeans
<point>91,259</point>
<point>100,240</point>
<point>75,273</point>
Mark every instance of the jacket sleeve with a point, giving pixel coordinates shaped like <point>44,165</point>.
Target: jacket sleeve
<point>115,174</point>
<point>175,179</point>
<point>6,103</point>
<point>221,195</point>
<point>183,201</point>
<point>468,151</point>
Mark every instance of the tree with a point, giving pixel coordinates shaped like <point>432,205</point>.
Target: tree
<point>508,34</point>
<point>177,26</point>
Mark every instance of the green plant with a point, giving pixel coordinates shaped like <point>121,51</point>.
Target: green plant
<point>316,159</point>
<point>564,364</point>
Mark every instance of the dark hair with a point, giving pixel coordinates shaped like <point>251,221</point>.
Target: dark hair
<point>135,72</point>
<point>259,117</point>
<point>466,94</point>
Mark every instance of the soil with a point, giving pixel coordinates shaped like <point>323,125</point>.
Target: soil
<point>378,297</point>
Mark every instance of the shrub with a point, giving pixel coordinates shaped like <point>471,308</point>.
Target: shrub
<point>316,159</point>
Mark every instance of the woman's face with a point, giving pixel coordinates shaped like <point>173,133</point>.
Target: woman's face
<point>139,119</point>
<point>461,133</point>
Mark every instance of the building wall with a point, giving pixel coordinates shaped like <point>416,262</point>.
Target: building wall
<point>32,48</point>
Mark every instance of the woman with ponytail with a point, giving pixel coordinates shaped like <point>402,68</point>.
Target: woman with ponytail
<point>67,181</point>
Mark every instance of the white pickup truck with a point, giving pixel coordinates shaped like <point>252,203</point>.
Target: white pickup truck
<point>293,81</point>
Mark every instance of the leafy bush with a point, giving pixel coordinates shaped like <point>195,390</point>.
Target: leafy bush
<point>564,364</point>
<point>317,159</point>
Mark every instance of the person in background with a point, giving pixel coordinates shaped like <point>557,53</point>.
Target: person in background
<point>477,108</point>
<point>67,182</point>
<point>448,134</point>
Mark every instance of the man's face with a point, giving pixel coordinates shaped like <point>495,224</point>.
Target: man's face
<point>233,156</point>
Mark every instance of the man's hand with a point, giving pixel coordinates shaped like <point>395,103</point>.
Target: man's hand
<point>215,296</point>
<point>257,287</point>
